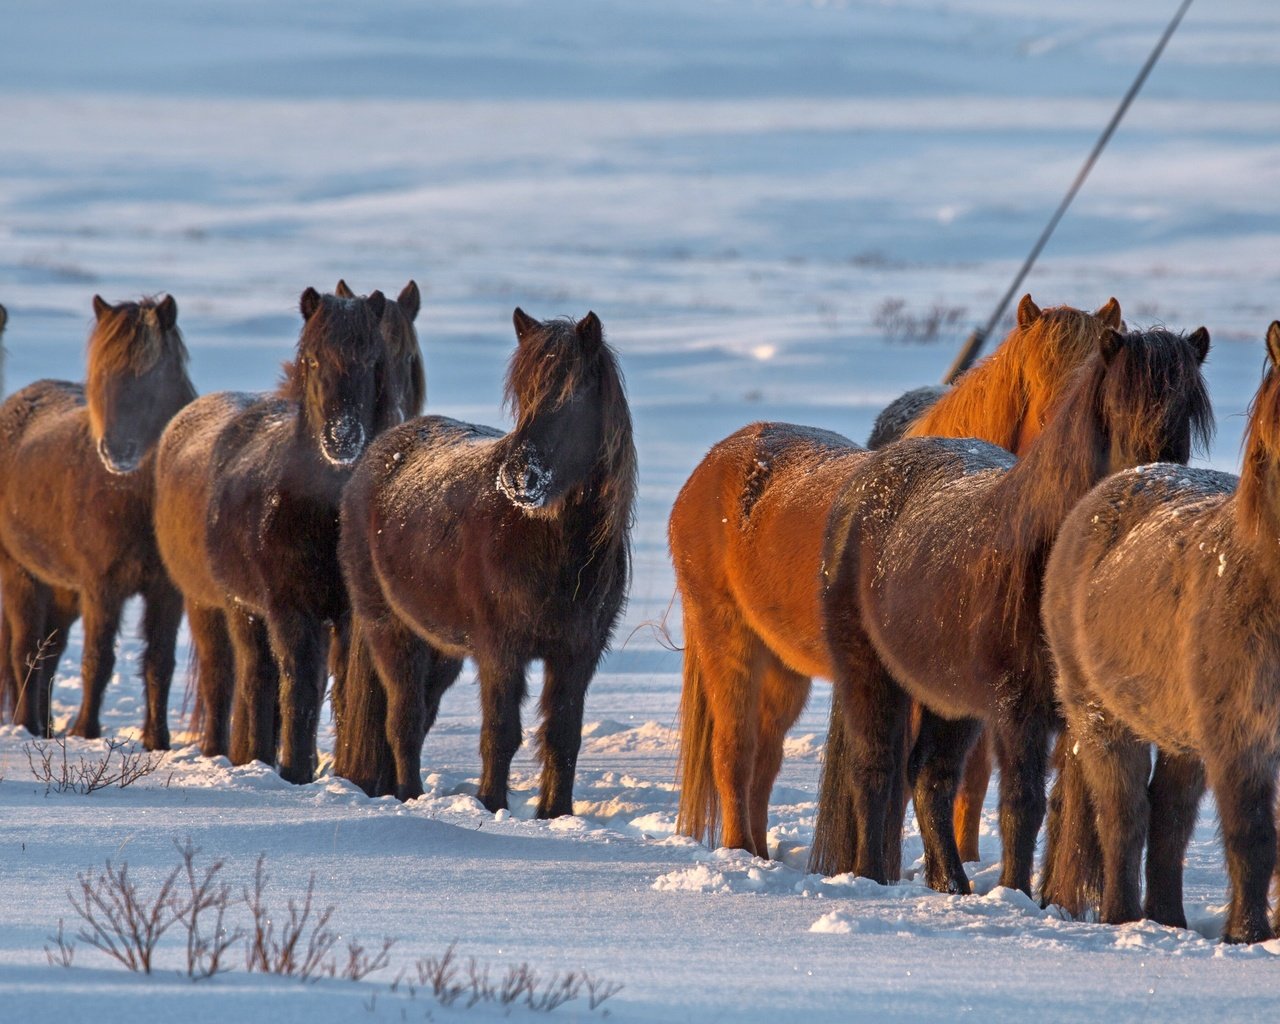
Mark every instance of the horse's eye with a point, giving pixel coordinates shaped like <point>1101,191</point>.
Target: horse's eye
<point>313,362</point>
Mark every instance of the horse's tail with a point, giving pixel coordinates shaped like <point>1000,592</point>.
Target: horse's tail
<point>835,840</point>
<point>361,752</point>
<point>1072,876</point>
<point>699,814</point>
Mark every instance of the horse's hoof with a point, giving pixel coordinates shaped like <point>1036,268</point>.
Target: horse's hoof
<point>406,793</point>
<point>155,742</point>
<point>298,776</point>
<point>89,731</point>
<point>492,804</point>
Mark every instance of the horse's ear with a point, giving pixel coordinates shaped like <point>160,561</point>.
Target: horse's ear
<point>1111,343</point>
<point>1199,339</point>
<point>4,317</point>
<point>377,302</point>
<point>590,331</point>
<point>1028,311</point>
<point>525,324</point>
<point>1273,342</point>
<point>1109,314</point>
<point>101,307</point>
<point>167,312</point>
<point>343,290</point>
<point>309,303</point>
<point>410,300</point>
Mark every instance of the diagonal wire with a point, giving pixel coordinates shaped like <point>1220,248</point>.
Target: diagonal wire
<point>973,344</point>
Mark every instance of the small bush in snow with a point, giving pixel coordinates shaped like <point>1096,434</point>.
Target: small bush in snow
<point>61,772</point>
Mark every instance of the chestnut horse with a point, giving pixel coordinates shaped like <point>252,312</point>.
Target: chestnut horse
<point>184,479</point>
<point>1160,610</point>
<point>746,536</point>
<point>76,471</point>
<point>933,562</point>
<point>458,540</point>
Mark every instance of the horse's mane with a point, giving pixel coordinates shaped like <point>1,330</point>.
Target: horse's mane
<point>1148,387</point>
<point>1261,450</point>
<point>992,399</point>
<point>549,366</point>
<point>131,338</point>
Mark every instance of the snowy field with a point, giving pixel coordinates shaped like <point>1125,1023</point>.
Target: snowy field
<point>742,190</point>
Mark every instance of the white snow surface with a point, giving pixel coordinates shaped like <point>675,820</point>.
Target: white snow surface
<point>736,188</point>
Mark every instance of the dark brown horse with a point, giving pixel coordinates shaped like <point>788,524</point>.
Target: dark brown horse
<point>746,536</point>
<point>1160,609</point>
<point>184,479</point>
<point>76,467</point>
<point>1019,383</point>
<point>460,541</point>
<point>271,533</point>
<point>933,563</point>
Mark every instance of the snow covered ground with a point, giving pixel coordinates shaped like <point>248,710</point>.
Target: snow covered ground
<point>741,190</point>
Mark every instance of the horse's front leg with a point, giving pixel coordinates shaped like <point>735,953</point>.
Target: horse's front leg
<point>160,622</point>
<point>301,645</point>
<point>1244,786</point>
<point>253,717</point>
<point>101,624</point>
<point>502,690</point>
<point>564,691</point>
<point>1022,740</point>
<point>1174,793</point>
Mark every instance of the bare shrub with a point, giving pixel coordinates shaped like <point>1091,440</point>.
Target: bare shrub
<point>598,990</point>
<point>63,951</point>
<point>901,324</point>
<point>120,922</point>
<point>440,973</point>
<point>52,763</point>
<point>206,898</point>
<point>361,963</point>
<point>285,951</point>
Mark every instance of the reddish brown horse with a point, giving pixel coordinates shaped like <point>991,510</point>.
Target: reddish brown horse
<point>1160,609</point>
<point>184,480</point>
<point>459,540</point>
<point>746,538</point>
<point>76,472</point>
<point>933,563</point>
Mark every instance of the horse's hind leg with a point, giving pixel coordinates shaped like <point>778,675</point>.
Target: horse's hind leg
<point>1244,786</point>
<point>876,713</point>
<point>403,663</point>
<point>253,718</point>
<point>938,761</point>
<point>26,610</point>
<point>215,673</point>
<point>101,624</point>
<point>732,689</point>
<point>971,796</point>
<point>1176,787</point>
<point>502,690</point>
<point>160,622</point>
<point>564,690</point>
<point>783,694</point>
<point>1022,746</point>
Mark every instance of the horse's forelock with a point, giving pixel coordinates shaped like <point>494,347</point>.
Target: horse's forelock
<point>131,338</point>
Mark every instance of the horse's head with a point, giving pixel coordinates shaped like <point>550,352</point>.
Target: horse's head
<point>137,378</point>
<point>1152,397</point>
<point>335,374</point>
<point>564,388</point>
<point>1047,345</point>
<point>403,387</point>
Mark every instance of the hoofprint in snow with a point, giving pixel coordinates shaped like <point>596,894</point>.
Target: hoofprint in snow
<point>740,191</point>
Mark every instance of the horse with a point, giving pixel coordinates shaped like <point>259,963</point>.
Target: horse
<point>76,472</point>
<point>746,535</point>
<point>1160,612</point>
<point>932,570</point>
<point>1020,386</point>
<point>184,476</point>
<point>278,467</point>
<point>461,541</point>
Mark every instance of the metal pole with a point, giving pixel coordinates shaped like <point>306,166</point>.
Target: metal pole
<point>973,345</point>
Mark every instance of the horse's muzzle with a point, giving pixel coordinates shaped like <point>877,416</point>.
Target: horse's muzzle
<point>123,461</point>
<point>342,440</point>
<point>524,481</point>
